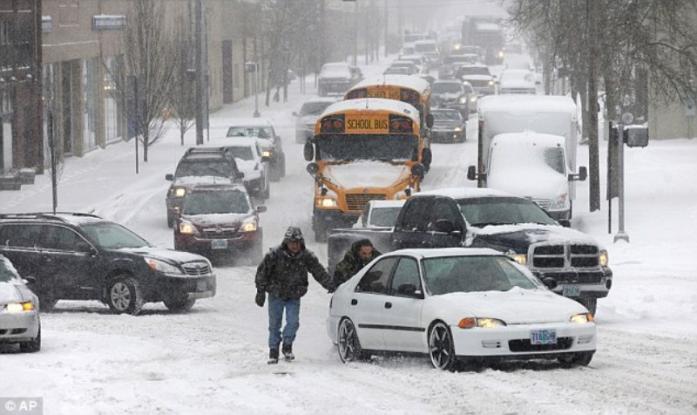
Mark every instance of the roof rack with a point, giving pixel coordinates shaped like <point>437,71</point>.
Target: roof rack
<point>46,215</point>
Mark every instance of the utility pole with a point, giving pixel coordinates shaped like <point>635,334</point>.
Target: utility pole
<point>385,22</point>
<point>323,32</point>
<point>355,33</point>
<point>593,156</point>
<point>199,72</point>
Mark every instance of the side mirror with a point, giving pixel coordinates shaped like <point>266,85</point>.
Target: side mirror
<point>426,156</point>
<point>417,170</point>
<point>581,176</point>
<point>444,226</point>
<point>29,279</point>
<point>636,136</point>
<point>84,247</point>
<point>239,175</point>
<point>312,168</point>
<point>410,290</point>
<point>429,120</point>
<point>550,283</point>
<point>260,209</point>
<point>169,177</point>
<point>265,159</point>
<point>309,152</point>
<point>471,173</point>
<point>565,223</point>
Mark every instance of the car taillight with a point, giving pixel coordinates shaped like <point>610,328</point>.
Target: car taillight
<point>332,124</point>
<point>399,124</point>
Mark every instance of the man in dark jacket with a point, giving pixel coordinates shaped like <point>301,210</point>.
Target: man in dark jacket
<point>283,275</point>
<point>360,254</point>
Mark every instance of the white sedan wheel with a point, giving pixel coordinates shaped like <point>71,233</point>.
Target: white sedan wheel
<point>440,347</point>
<point>348,345</point>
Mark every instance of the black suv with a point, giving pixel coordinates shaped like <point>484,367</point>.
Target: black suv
<point>76,256</point>
<point>199,165</point>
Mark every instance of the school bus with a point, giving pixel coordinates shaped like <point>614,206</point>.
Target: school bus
<point>362,149</point>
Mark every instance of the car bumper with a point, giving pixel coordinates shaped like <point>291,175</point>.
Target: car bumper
<point>18,327</point>
<point>446,136</point>
<point>514,341</point>
<point>205,246</point>
<point>255,185</point>
<point>580,284</point>
<point>194,287</point>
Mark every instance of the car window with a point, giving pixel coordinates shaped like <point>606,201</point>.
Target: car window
<point>375,280</point>
<point>405,275</point>
<point>110,235</point>
<point>260,132</point>
<point>554,158</point>
<point>384,216</point>
<point>198,168</point>
<point>444,210</point>
<point>242,152</point>
<point>22,236</point>
<point>485,211</point>
<point>313,107</point>
<point>218,202</point>
<point>62,238</point>
<point>446,275</point>
<point>417,214</point>
<point>7,271</point>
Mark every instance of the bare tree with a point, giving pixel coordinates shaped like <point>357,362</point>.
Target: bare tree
<point>183,91</point>
<point>148,59</point>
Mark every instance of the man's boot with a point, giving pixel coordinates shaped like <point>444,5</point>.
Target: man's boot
<point>273,356</point>
<point>288,351</point>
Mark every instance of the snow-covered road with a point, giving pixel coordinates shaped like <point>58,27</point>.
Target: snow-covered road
<point>212,360</point>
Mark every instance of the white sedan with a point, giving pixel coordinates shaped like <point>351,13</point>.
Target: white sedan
<point>19,310</point>
<point>457,304</point>
<point>254,164</point>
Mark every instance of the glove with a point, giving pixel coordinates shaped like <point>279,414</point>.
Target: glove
<point>260,298</point>
<point>331,287</point>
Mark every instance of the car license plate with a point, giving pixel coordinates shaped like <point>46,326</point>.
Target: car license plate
<point>570,291</point>
<point>219,244</point>
<point>201,286</point>
<point>543,337</point>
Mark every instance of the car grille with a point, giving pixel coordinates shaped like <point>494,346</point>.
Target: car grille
<point>523,345</point>
<point>196,268</point>
<point>560,256</point>
<point>357,201</point>
<point>219,233</point>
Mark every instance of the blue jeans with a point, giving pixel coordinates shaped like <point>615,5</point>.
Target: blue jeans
<point>276,307</point>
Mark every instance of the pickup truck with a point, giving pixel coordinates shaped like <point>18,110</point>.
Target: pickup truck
<point>569,262</point>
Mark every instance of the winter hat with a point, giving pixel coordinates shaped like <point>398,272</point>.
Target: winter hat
<point>293,234</point>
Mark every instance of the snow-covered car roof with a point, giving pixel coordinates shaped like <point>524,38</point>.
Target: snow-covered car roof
<point>335,69</point>
<point>403,81</point>
<point>441,252</point>
<point>410,57</point>
<point>464,192</point>
<point>218,187</point>
<point>319,99</point>
<point>425,42</point>
<point>386,203</point>
<point>241,142</point>
<point>527,138</point>
<point>477,77</point>
<point>372,104</point>
<point>249,122</point>
<point>527,103</point>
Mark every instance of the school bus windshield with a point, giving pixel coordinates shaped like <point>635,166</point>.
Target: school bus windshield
<point>340,147</point>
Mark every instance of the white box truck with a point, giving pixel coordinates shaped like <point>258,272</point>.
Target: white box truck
<point>527,146</point>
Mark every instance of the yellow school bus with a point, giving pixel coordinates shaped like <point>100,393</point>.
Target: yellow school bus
<point>362,149</point>
<point>406,88</point>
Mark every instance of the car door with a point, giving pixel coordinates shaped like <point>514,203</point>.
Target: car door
<point>412,225</point>
<point>446,225</point>
<point>69,258</point>
<point>367,304</point>
<point>19,243</point>
<point>402,313</point>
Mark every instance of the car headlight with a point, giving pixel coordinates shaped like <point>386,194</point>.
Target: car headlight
<point>463,100</point>
<point>187,228</point>
<point>457,129</point>
<point>249,226</point>
<point>19,307</point>
<point>582,318</point>
<point>500,54</point>
<point>327,202</point>
<point>521,259</point>
<point>179,192</point>
<point>161,266</point>
<point>481,322</point>
<point>491,83</point>
<point>266,153</point>
<point>473,99</point>
<point>603,258</point>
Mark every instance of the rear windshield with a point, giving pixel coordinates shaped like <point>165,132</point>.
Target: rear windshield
<point>473,70</point>
<point>243,153</point>
<point>218,168</point>
<point>260,132</point>
<point>314,108</point>
<point>446,88</point>
<point>446,115</point>
<point>218,202</point>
